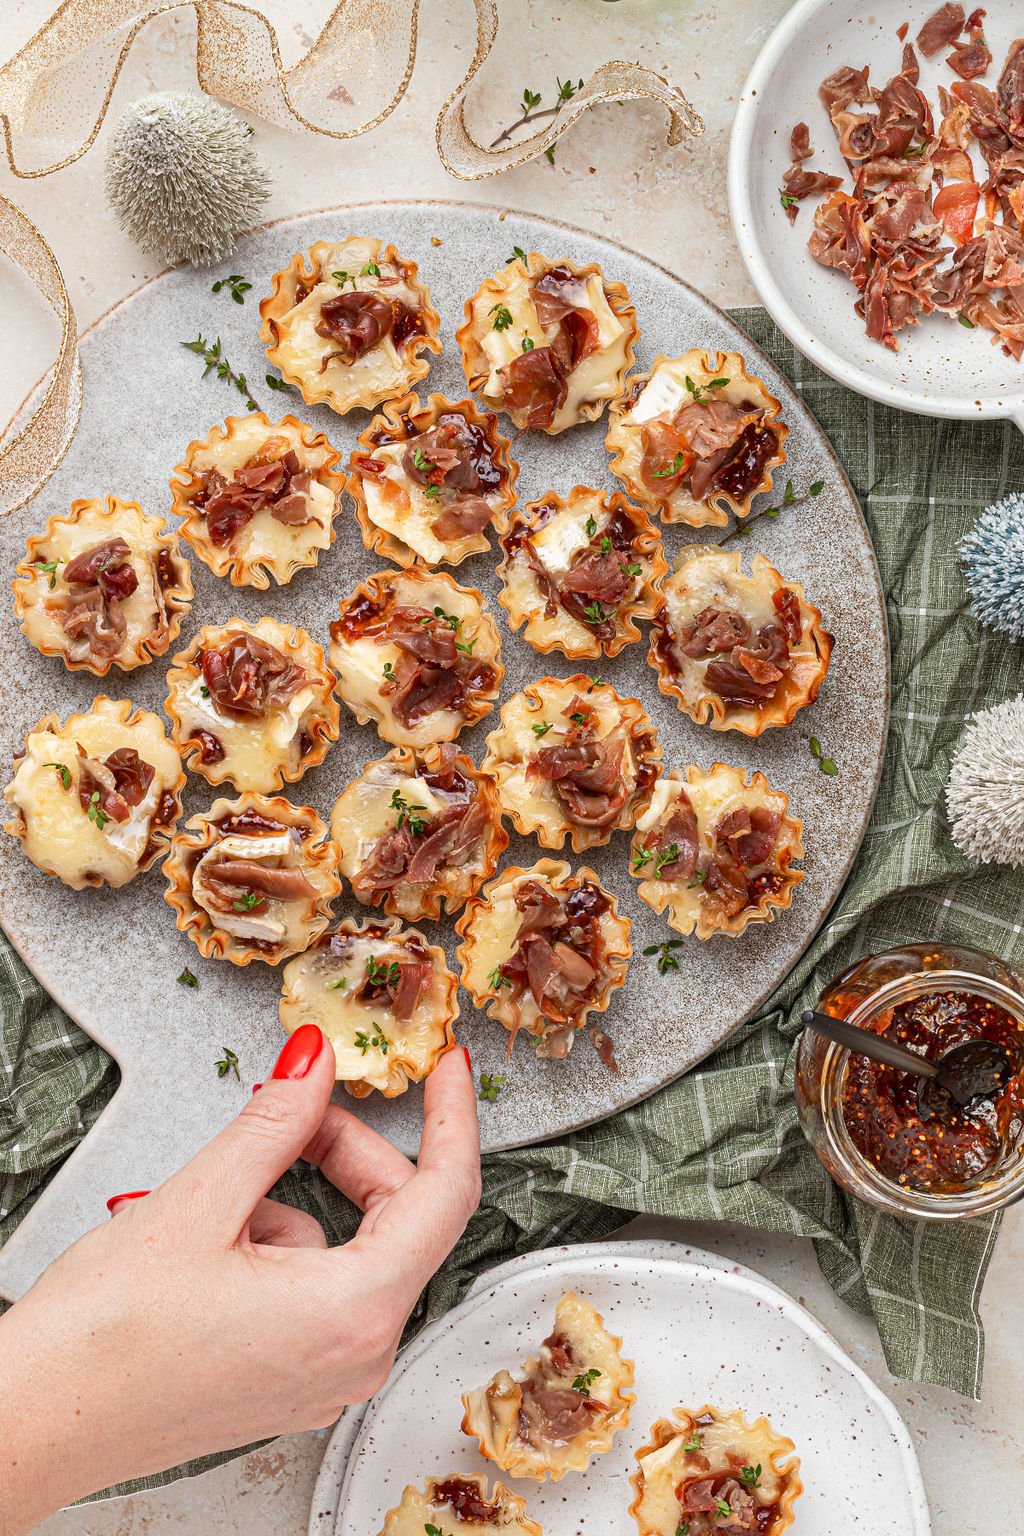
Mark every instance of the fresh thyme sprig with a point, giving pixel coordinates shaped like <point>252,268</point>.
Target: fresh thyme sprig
<point>217,363</point>
<point>279,385</point>
<point>48,568</point>
<point>585,1380</point>
<point>379,975</point>
<point>490,1087</point>
<point>667,958</point>
<point>63,773</point>
<point>826,764</point>
<point>532,111</point>
<point>378,1041</point>
<point>236,286</point>
<point>789,499</point>
<point>189,979</point>
<point>248,901</point>
<point>413,815</point>
<point>497,979</point>
<point>700,391</point>
<point>228,1063</point>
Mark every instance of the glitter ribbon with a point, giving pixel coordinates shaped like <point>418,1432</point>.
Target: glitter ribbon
<point>55,92</point>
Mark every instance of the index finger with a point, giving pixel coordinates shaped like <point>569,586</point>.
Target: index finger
<point>420,1224</point>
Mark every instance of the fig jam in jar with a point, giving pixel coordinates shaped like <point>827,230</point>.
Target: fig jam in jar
<point>863,1118</point>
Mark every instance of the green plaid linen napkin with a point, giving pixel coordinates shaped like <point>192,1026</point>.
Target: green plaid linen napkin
<point>723,1143</point>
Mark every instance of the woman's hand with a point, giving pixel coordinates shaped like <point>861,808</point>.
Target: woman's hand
<point>204,1315</point>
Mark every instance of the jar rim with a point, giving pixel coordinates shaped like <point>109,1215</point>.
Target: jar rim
<point>1002,1189</point>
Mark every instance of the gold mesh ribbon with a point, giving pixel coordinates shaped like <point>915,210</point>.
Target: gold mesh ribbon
<point>55,92</point>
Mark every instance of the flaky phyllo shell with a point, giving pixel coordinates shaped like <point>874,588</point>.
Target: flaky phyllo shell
<point>418,829</point>
<point>703,1457</point>
<point>494,964</point>
<point>444,675</point>
<point>285,720</point>
<point>95,800</point>
<point>528,1425</point>
<point>123,606</point>
<point>460,1505</point>
<point>384,998</point>
<point>759,651</point>
<point>696,438</point>
<point>364,349</point>
<point>571,758</point>
<point>548,342</point>
<point>579,570</point>
<point>276,523</point>
<point>252,879</point>
<point>715,850</point>
<point>427,481</point>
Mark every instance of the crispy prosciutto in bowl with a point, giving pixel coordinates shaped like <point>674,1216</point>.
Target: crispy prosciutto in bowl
<point>428,481</point>
<point>104,586</point>
<point>542,949</point>
<point>710,1473</point>
<point>416,829</point>
<point>742,653</point>
<point>258,498</point>
<point>252,879</point>
<point>579,571</point>
<point>564,1408</point>
<point>715,850</point>
<point>696,438</point>
<point>252,703</point>
<point>460,1505</point>
<point>416,654</point>
<point>346,323</point>
<point>95,800</point>
<point>384,998</point>
<point>572,759</point>
<point>548,342</point>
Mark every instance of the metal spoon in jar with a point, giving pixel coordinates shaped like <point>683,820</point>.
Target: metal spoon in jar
<point>978,1069</point>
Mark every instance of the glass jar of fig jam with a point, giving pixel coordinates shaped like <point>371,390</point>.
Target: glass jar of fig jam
<point>863,1119</point>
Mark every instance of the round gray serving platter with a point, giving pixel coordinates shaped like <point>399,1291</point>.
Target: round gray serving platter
<point>111,958</point>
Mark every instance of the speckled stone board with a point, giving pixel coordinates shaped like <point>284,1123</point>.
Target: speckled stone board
<point>111,958</point>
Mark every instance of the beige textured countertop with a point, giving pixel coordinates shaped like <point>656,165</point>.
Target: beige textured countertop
<point>613,175</point>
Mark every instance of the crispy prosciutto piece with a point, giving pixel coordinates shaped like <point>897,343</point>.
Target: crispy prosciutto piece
<point>559,297</point>
<point>535,383</point>
<point>668,457</point>
<point>247,676</point>
<point>106,566</point>
<point>558,952</point>
<point>751,676</point>
<point>356,322</point>
<point>278,883</point>
<point>586,771</point>
<point>679,838</point>
<point>749,835</point>
<point>91,615</point>
<point>956,207</point>
<point>120,781</point>
<point>399,856</point>
<point>555,1415</point>
<point>943,27</point>
<point>266,480</point>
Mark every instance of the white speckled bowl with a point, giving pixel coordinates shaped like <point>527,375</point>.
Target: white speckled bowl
<point>941,368</point>
<point>145,398</point>
<point>700,1329</point>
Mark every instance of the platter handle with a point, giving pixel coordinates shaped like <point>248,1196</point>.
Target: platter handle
<point>111,1158</point>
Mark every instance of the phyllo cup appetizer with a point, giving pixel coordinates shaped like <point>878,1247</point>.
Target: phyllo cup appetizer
<point>571,758</point>
<point>346,323</point>
<point>427,481</point>
<point>716,849</point>
<point>696,438</point>
<point>95,800</point>
<point>564,1408</point>
<point>252,879</point>
<point>104,586</point>
<point>418,829</point>
<point>416,654</point>
<point>542,949</point>
<point>384,998</point>
<point>710,1473</point>
<point>579,570</point>
<point>741,653</point>
<point>548,342</point>
<point>460,1505</point>
<point>258,498</point>
<point>252,703</point>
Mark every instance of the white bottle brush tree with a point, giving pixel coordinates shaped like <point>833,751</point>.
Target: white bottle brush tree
<point>183,177</point>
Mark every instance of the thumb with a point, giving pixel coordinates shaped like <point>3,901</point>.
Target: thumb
<point>219,1188</point>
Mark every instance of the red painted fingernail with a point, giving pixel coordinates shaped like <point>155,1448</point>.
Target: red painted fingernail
<point>256,1087</point>
<point>469,1064</point>
<point>300,1052</point>
<point>131,1194</point>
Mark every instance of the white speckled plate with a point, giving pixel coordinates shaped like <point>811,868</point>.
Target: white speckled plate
<point>699,1329</point>
<point>941,368</point>
<point>111,958</point>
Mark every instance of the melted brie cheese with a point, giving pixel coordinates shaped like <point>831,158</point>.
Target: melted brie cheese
<point>727,1443</point>
<point>58,834</point>
<point>273,921</point>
